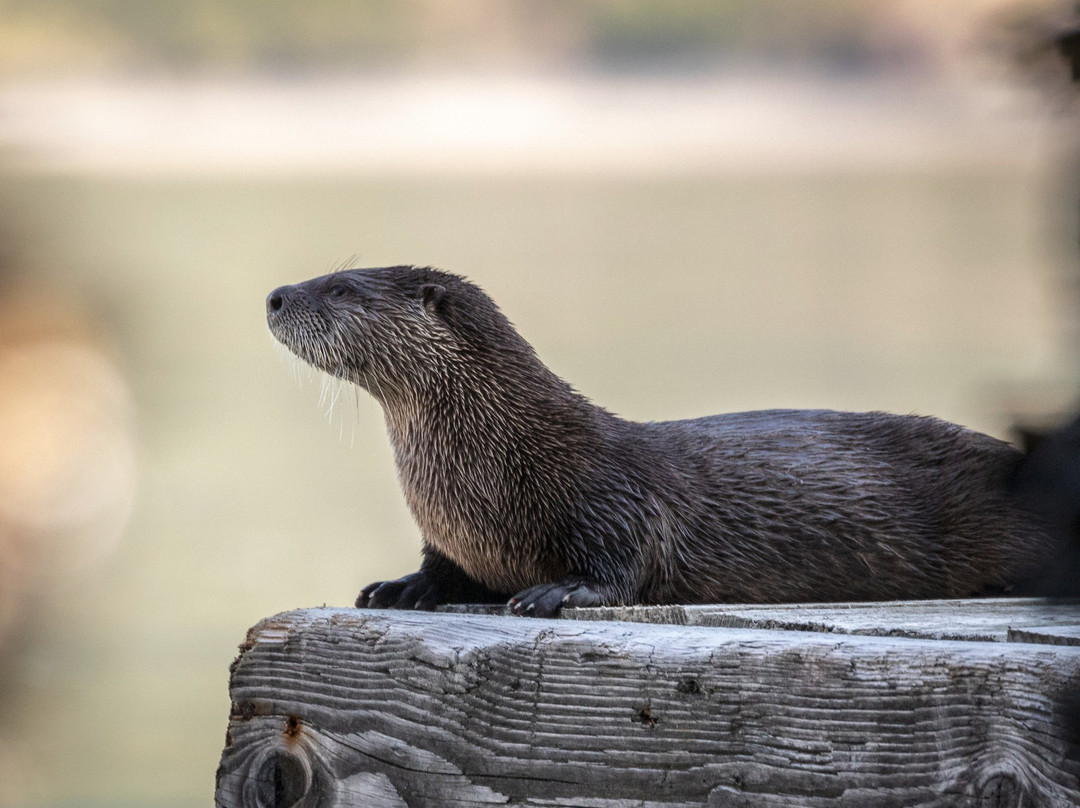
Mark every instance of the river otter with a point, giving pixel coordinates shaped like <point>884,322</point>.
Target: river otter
<point>524,489</point>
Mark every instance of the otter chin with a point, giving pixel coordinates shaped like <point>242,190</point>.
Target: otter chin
<point>526,491</point>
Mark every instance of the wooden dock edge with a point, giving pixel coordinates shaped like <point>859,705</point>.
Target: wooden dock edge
<point>351,707</point>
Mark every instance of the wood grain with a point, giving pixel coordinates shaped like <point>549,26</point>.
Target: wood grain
<point>996,620</point>
<point>366,708</point>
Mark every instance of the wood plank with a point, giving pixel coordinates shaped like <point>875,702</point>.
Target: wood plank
<point>988,620</point>
<point>1051,635</point>
<point>358,707</point>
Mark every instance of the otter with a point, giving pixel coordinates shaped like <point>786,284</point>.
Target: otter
<point>525,490</point>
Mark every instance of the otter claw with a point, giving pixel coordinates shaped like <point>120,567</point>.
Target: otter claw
<point>404,593</point>
<point>545,600</point>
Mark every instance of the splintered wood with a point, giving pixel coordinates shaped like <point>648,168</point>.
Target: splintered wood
<point>345,707</point>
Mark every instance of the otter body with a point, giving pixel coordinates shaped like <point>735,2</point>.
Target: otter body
<point>523,489</point>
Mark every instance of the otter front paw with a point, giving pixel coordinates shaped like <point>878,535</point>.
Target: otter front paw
<point>415,591</point>
<point>545,600</point>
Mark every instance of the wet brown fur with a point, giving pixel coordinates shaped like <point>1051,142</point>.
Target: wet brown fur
<point>524,488</point>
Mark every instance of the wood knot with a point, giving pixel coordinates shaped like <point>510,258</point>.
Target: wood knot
<point>645,717</point>
<point>292,727</point>
<point>1003,790</point>
<point>281,781</point>
<point>244,710</point>
<point>689,687</point>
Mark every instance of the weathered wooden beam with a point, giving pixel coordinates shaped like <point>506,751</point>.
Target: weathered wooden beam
<point>997,620</point>
<point>366,708</point>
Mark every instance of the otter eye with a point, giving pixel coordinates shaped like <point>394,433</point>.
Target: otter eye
<point>337,290</point>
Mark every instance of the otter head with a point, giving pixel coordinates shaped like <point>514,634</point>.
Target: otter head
<point>391,330</point>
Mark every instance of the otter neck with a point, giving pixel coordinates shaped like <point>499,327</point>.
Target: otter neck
<point>474,419</point>
<point>472,449</point>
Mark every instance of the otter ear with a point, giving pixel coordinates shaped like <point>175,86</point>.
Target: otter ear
<point>431,294</point>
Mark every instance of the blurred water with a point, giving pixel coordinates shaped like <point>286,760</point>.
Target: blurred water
<point>938,291</point>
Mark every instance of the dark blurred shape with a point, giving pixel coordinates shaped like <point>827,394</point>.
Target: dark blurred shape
<point>1048,483</point>
<point>1035,37</point>
<point>1068,44</point>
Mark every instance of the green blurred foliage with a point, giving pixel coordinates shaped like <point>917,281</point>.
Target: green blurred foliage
<point>347,35</point>
<point>698,32</point>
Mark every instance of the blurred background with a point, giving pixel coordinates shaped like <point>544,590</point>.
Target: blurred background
<point>687,206</point>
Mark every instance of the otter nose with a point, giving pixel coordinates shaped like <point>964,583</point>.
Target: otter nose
<point>276,299</point>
